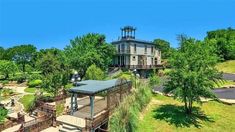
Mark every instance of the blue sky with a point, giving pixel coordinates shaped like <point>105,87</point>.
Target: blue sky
<point>53,23</point>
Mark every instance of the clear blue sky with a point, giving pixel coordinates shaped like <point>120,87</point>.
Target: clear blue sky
<point>52,23</point>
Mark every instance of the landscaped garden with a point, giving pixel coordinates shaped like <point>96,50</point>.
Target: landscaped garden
<point>167,114</point>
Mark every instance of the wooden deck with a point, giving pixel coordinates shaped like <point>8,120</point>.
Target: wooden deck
<point>99,106</point>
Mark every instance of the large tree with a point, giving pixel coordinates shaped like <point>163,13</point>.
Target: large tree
<point>7,67</point>
<point>164,47</point>
<point>53,64</point>
<point>193,72</point>
<point>87,50</point>
<point>22,54</point>
<point>224,41</point>
<point>49,61</point>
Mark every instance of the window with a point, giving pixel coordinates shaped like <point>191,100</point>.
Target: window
<point>135,48</point>
<point>152,49</point>
<point>128,48</point>
<point>133,58</point>
<point>145,49</point>
<point>118,48</point>
<point>123,48</point>
<point>152,61</point>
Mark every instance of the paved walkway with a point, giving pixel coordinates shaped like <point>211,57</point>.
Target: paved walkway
<point>229,76</point>
<point>225,93</point>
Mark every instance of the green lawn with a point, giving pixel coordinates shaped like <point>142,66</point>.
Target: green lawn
<point>30,90</point>
<point>227,66</point>
<point>27,100</point>
<point>165,114</point>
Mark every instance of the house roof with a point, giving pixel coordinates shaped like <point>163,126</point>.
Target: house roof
<point>133,40</point>
<point>92,87</point>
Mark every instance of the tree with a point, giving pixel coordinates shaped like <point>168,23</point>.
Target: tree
<point>22,54</point>
<point>193,72</point>
<point>87,50</point>
<point>54,82</point>
<point>53,64</point>
<point>164,47</point>
<point>94,73</point>
<point>51,60</point>
<point>224,41</point>
<point>2,51</point>
<point>7,67</point>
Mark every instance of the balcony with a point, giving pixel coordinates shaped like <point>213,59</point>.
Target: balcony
<point>124,52</point>
<point>139,66</point>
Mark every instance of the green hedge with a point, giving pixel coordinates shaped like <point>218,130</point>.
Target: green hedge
<point>35,83</point>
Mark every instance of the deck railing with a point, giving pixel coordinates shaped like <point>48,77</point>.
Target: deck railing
<point>138,66</point>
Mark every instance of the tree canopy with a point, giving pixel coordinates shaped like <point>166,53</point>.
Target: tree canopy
<point>87,50</point>
<point>193,72</point>
<point>21,54</point>
<point>224,41</point>
<point>7,67</point>
<point>164,47</point>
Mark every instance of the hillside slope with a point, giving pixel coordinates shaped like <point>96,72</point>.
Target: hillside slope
<point>227,66</point>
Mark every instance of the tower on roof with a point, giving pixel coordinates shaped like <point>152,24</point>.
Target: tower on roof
<point>128,32</point>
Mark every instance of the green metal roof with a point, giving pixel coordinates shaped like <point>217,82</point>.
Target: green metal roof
<point>94,86</point>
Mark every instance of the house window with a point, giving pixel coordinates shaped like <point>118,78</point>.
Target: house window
<point>152,61</point>
<point>118,48</point>
<point>145,49</point>
<point>133,58</point>
<point>135,48</point>
<point>123,48</point>
<point>152,49</point>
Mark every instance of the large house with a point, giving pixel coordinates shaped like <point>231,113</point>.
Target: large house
<point>133,53</point>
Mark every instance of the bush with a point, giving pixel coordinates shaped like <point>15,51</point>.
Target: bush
<point>6,92</point>
<point>35,83</point>
<point>3,114</point>
<point>20,78</point>
<point>154,80</point>
<point>5,82</point>
<point>94,73</point>
<point>35,76</point>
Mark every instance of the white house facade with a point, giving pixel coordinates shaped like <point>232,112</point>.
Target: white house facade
<point>135,54</point>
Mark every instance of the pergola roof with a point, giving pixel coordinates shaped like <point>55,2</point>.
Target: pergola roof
<point>92,87</point>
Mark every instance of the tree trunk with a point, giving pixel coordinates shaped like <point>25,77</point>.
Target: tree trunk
<point>23,67</point>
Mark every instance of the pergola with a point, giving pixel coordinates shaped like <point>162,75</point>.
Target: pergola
<point>93,87</point>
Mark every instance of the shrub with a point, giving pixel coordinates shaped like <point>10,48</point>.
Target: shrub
<point>6,92</point>
<point>5,82</point>
<point>20,78</point>
<point>35,83</point>
<point>3,114</point>
<point>35,76</point>
<point>94,73</point>
<point>154,80</point>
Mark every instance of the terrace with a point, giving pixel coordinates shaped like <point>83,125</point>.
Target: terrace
<point>92,102</point>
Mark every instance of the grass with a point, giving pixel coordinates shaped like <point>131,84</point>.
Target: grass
<point>227,66</point>
<point>30,90</point>
<point>59,109</point>
<point>27,101</point>
<point>166,114</point>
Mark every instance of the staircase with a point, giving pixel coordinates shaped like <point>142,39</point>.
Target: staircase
<point>68,128</point>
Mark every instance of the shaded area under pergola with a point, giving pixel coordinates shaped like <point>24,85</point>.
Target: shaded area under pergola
<point>101,97</point>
